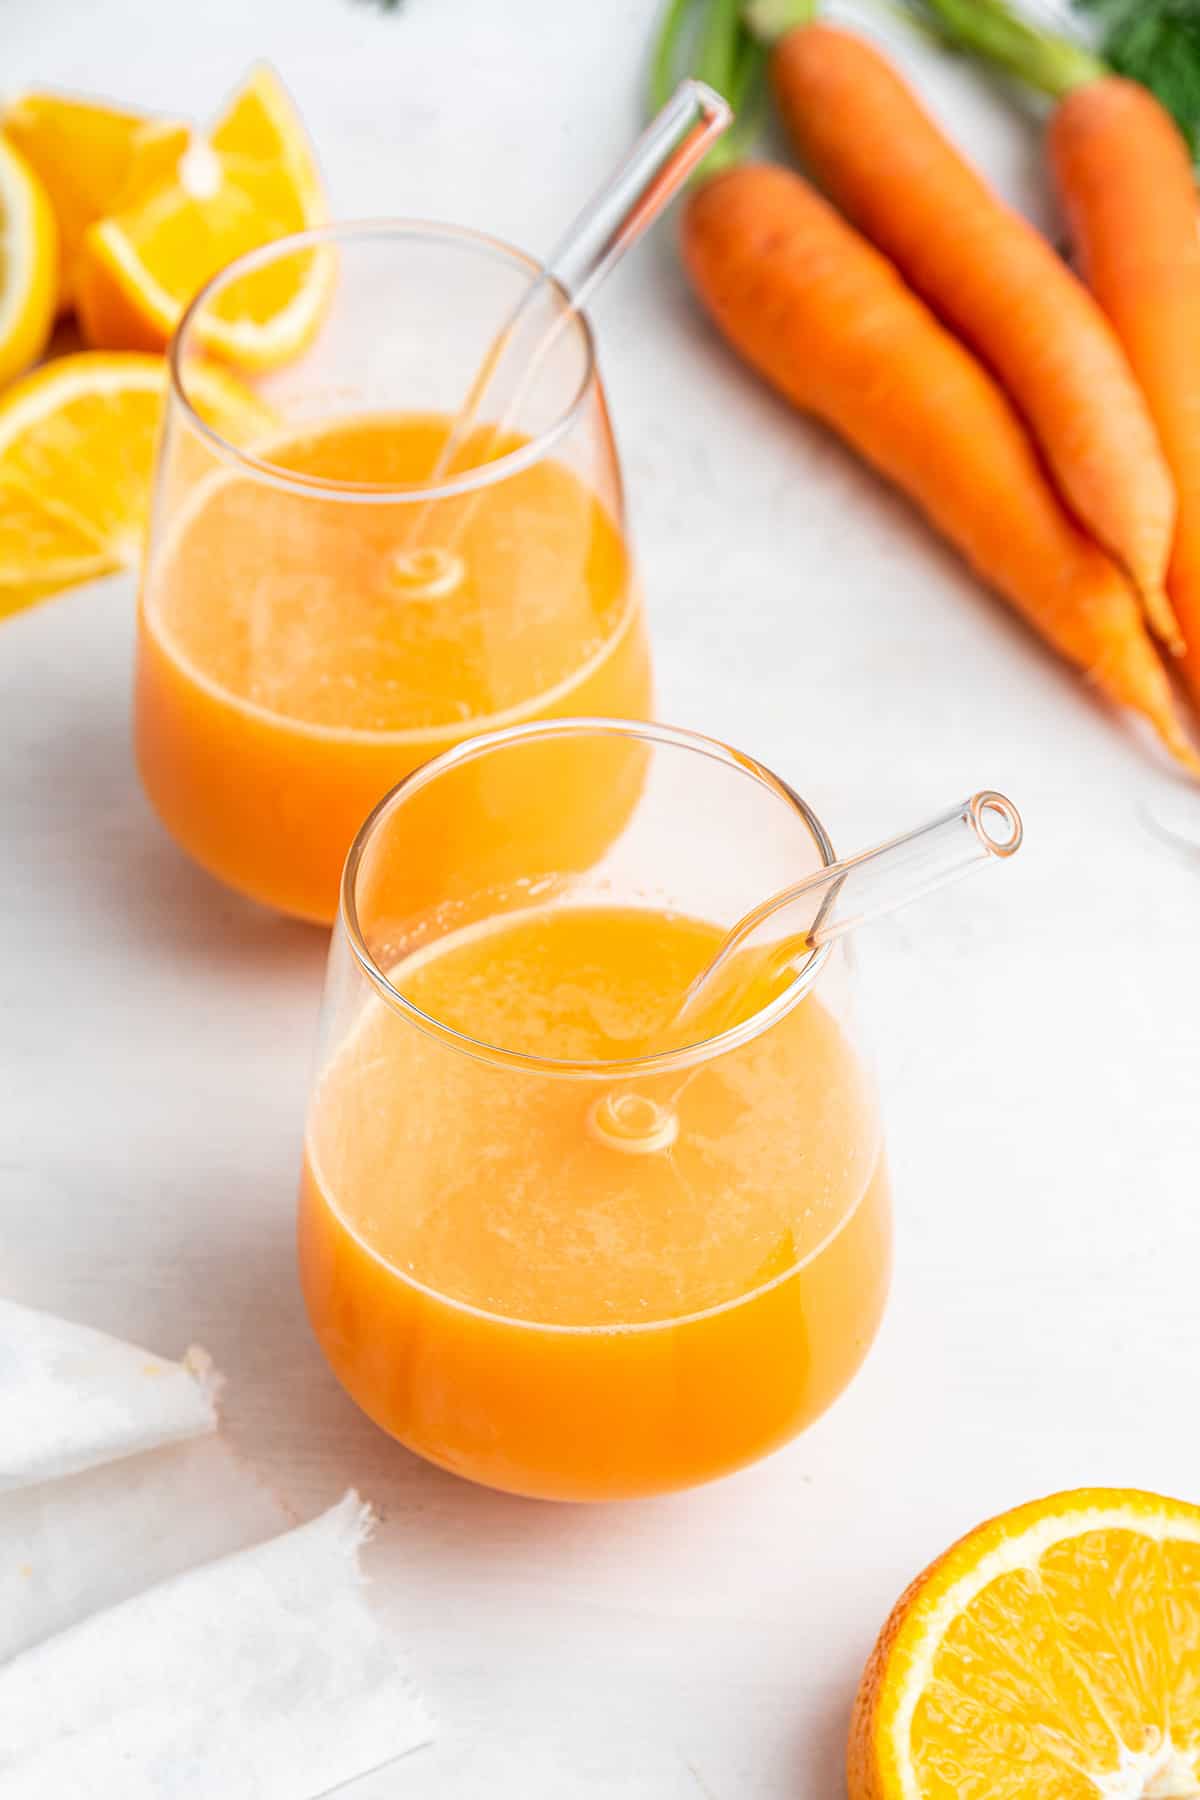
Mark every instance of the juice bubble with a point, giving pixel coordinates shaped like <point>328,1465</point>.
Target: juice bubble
<point>425,573</point>
<point>633,1123</point>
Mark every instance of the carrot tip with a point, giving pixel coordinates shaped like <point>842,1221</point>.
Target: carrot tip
<point>1160,616</point>
<point>1171,733</point>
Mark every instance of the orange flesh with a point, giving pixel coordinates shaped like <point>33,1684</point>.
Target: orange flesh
<point>1038,1674</point>
<point>474,1252</point>
<point>276,639</point>
<point>1050,1655</point>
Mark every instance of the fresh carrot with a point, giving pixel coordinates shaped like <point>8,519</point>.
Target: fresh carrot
<point>1127,187</point>
<point>830,323</point>
<point>1122,167</point>
<point>991,277</point>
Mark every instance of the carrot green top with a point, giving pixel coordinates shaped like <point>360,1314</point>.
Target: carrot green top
<point>1155,42</point>
<point>709,40</point>
<point>995,32</point>
<point>724,42</point>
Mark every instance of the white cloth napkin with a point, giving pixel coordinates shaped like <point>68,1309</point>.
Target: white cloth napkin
<point>258,1677</point>
<point>71,1397</point>
<point>140,1667</point>
<point>69,1548</point>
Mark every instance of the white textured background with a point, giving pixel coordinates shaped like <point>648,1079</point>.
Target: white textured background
<point>1038,1032</point>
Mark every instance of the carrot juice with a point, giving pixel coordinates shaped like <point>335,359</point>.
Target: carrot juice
<point>298,652</point>
<point>579,1286</point>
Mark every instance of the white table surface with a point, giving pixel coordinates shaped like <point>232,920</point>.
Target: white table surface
<point>1038,1031</point>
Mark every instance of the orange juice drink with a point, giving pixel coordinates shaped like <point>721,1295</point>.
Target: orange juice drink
<point>343,578</point>
<point>579,1285</point>
<point>298,653</point>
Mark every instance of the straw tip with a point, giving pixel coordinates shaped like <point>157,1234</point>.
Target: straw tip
<point>997,822</point>
<point>713,107</point>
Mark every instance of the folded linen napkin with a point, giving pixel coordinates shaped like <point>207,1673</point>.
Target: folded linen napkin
<point>69,1548</point>
<point>261,1676</point>
<point>71,1397</point>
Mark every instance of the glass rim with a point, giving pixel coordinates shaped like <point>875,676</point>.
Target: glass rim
<point>483,475</point>
<point>503,1056</point>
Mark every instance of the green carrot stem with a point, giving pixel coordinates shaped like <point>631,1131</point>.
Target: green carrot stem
<point>746,96</point>
<point>994,31</point>
<point>717,62</point>
<point>769,20</point>
<point>721,53</point>
<point>748,91</point>
<point>662,66</point>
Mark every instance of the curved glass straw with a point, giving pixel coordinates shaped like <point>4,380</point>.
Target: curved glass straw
<point>615,217</point>
<point>848,893</point>
<point>834,901</point>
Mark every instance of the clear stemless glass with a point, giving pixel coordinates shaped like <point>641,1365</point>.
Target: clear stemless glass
<point>316,618</point>
<point>545,1241</point>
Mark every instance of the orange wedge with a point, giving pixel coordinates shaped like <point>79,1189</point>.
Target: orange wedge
<point>87,155</point>
<point>1053,1654</point>
<point>77,443</point>
<point>28,264</point>
<point>252,180</point>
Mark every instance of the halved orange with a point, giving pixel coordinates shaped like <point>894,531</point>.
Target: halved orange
<point>254,179</point>
<point>28,264</point>
<point>1052,1654</point>
<point>77,444</point>
<point>87,154</point>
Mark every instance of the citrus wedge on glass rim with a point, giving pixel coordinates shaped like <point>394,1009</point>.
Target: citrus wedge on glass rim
<point>28,264</point>
<point>1051,1654</point>
<point>91,157</point>
<point>77,445</point>
<point>253,179</point>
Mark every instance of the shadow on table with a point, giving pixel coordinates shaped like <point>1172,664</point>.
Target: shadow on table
<point>91,852</point>
<point>286,1413</point>
<point>819,1758</point>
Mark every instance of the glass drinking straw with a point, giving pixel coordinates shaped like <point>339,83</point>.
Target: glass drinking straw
<point>649,177</point>
<point>848,893</point>
<point>835,900</point>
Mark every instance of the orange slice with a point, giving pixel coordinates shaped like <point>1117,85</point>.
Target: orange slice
<point>28,264</point>
<point>77,444</point>
<point>1053,1654</point>
<point>252,180</point>
<point>87,155</point>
